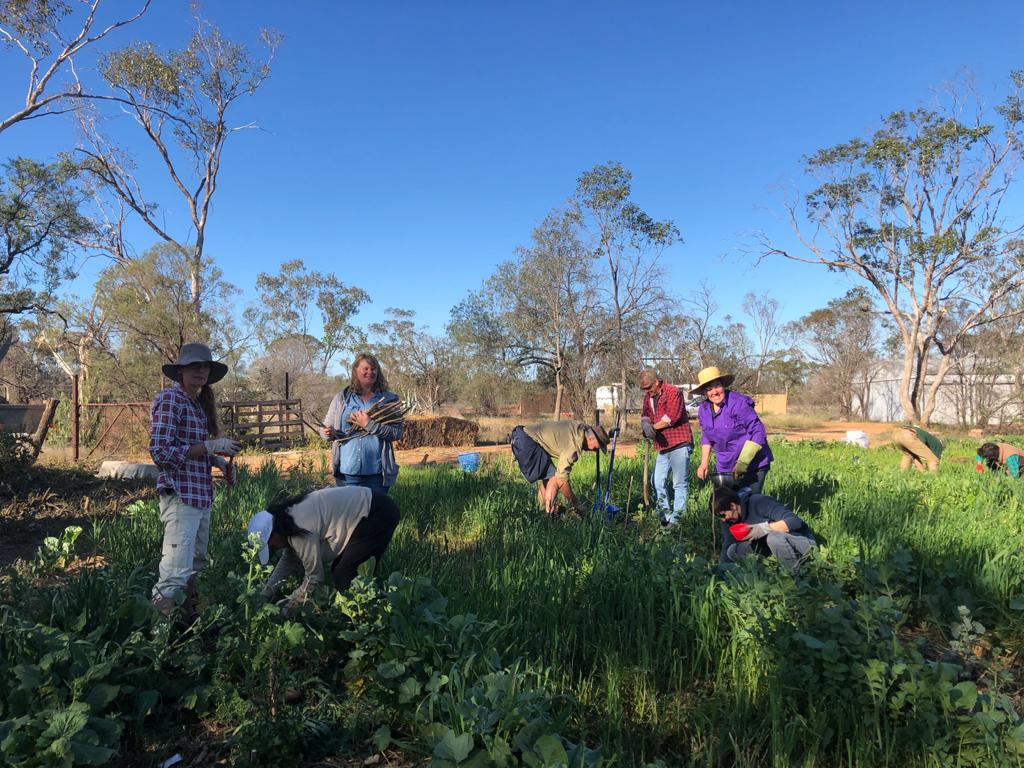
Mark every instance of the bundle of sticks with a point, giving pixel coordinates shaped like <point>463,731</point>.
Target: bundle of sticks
<point>380,412</point>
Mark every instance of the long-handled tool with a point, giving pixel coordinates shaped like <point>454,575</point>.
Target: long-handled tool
<point>610,510</point>
<point>597,484</point>
<point>647,473</point>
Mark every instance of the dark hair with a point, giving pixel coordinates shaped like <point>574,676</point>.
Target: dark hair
<point>209,405</point>
<point>380,385</point>
<point>722,500</point>
<point>284,523</point>
<point>989,452</point>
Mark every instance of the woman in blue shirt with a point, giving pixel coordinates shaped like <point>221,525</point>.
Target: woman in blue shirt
<point>367,460</point>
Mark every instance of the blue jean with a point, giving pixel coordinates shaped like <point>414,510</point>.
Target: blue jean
<point>373,482</point>
<point>678,463</point>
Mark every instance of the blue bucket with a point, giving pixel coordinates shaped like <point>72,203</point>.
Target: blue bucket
<point>469,462</point>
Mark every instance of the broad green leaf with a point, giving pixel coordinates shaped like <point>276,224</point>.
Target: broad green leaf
<point>391,669</point>
<point>101,695</point>
<point>381,738</point>
<point>454,748</point>
<point>409,690</point>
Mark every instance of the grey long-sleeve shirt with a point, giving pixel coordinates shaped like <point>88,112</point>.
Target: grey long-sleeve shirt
<point>330,515</point>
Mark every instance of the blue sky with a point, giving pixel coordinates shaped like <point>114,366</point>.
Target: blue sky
<point>409,147</point>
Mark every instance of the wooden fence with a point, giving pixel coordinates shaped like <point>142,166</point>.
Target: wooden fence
<point>266,423</point>
<point>112,428</point>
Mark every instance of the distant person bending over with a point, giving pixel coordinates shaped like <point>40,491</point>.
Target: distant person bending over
<point>367,459</point>
<point>920,448</point>
<point>772,528</point>
<point>340,528</point>
<point>732,429</point>
<point>1000,457</point>
<point>667,424</point>
<point>546,452</point>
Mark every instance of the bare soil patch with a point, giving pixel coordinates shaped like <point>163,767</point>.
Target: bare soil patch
<point>47,499</point>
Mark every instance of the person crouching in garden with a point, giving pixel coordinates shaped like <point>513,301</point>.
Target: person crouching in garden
<point>760,525</point>
<point>1000,457</point>
<point>920,448</point>
<point>666,423</point>
<point>546,452</point>
<point>339,527</point>
<point>184,443</point>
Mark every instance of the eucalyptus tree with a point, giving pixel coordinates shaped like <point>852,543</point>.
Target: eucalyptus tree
<point>182,101</point>
<point>316,306</point>
<point>916,211</point>
<point>40,221</point>
<point>543,309</point>
<point>50,36</point>
<point>842,339</point>
<point>629,243</point>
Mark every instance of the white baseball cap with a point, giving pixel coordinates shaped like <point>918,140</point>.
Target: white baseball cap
<point>262,523</point>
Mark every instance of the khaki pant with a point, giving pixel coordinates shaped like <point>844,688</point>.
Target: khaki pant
<point>915,452</point>
<point>186,535</point>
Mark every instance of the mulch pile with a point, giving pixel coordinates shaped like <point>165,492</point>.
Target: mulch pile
<point>437,431</point>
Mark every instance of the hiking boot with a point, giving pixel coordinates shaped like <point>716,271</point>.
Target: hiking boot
<point>165,605</point>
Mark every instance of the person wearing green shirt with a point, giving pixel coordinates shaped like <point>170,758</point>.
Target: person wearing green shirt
<point>920,448</point>
<point>546,451</point>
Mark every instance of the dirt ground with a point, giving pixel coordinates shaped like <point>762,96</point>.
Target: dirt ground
<point>55,496</point>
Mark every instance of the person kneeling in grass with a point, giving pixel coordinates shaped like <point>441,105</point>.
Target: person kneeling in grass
<point>1000,457</point>
<point>341,527</point>
<point>760,525</point>
<point>538,447</point>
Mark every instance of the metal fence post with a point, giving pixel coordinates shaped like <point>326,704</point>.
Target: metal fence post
<point>75,425</point>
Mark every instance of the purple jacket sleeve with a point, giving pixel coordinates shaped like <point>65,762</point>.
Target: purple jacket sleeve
<point>167,450</point>
<point>704,419</point>
<point>747,416</point>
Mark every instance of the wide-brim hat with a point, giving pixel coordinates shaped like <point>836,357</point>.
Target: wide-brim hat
<point>708,376</point>
<point>602,437</point>
<point>195,353</point>
<point>262,524</point>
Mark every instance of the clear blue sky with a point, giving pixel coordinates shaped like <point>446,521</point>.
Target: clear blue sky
<point>409,147</point>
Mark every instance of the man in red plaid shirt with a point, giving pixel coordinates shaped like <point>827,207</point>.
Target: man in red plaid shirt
<point>666,423</point>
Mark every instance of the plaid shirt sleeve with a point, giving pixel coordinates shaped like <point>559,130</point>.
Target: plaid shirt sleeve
<point>670,404</point>
<point>167,451</point>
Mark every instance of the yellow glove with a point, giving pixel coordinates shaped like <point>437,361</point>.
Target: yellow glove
<point>747,454</point>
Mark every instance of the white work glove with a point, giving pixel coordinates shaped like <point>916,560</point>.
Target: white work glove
<point>223,445</point>
<point>647,428</point>
<point>758,531</point>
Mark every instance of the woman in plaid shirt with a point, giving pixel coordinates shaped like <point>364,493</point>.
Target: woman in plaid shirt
<point>184,444</point>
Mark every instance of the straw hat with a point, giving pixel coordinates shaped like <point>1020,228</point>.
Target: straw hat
<point>195,353</point>
<point>710,375</point>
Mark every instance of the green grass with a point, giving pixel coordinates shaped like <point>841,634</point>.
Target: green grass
<point>897,646</point>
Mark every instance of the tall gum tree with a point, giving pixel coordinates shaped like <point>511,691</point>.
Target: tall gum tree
<point>629,243</point>
<point>916,211</point>
<point>181,100</point>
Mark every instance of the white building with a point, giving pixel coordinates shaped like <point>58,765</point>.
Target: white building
<point>970,394</point>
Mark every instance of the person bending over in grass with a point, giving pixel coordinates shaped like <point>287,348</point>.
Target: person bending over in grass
<point>920,448</point>
<point>760,525</point>
<point>339,527</point>
<point>1000,457</point>
<point>539,447</point>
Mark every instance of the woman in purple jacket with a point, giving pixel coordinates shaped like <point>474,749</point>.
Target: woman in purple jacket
<point>730,426</point>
